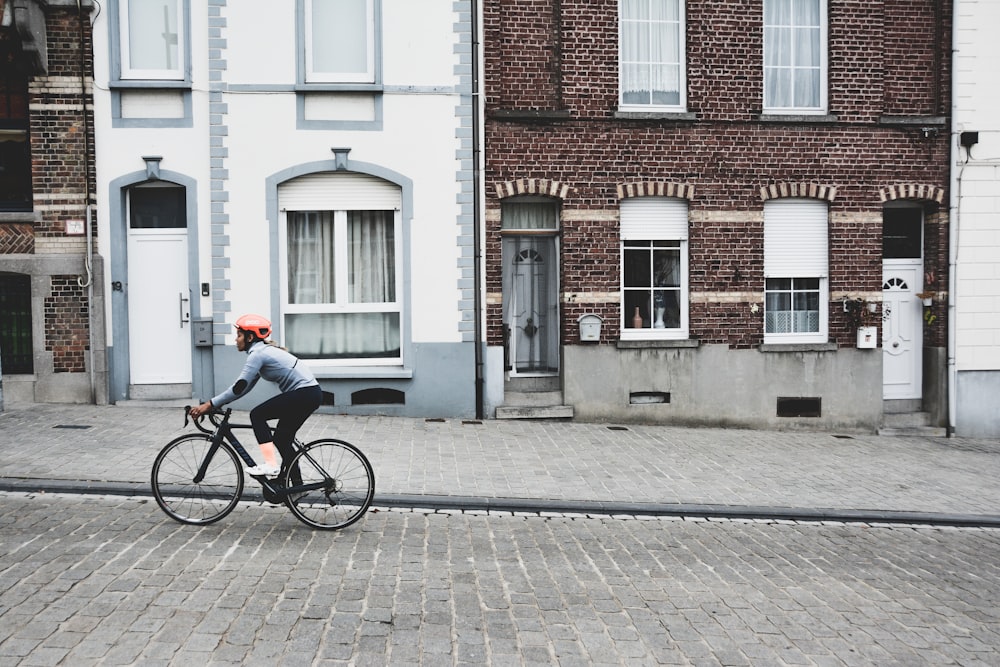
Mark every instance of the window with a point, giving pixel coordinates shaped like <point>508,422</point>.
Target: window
<point>341,285</point>
<point>654,268</point>
<point>651,44</point>
<point>795,271</point>
<point>795,56</point>
<point>16,353</point>
<point>15,149</point>
<point>153,38</point>
<point>340,41</point>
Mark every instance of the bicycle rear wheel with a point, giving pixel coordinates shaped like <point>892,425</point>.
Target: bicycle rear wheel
<point>196,502</point>
<point>347,479</point>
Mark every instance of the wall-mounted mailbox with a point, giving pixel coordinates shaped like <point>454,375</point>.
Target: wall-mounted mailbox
<point>590,327</point>
<point>202,330</point>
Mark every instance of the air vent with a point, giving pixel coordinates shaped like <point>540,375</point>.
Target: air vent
<point>648,397</point>
<point>799,407</point>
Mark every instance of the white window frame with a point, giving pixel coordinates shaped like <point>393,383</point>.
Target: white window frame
<point>341,303</point>
<point>646,219</point>
<point>823,66</point>
<point>312,76</point>
<point>681,62</point>
<point>796,246</point>
<point>176,73</point>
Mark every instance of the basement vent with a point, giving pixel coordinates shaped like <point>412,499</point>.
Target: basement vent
<point>378,396</point>
<point>648,397</point>
<point>799,407</point>
<point>328,398</point>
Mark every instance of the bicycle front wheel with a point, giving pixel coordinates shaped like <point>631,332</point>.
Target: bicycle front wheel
<point>343,484</point>
<point>182,495</point>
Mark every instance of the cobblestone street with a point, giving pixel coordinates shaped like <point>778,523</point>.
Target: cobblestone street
<point>110,580</point>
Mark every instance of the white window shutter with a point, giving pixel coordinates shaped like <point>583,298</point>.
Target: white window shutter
<point>654,219</point>
<point>339,192</point>
<point>796,241</point>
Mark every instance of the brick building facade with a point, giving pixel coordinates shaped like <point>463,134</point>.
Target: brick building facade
<point>51,349</point>
<point>569,134</point>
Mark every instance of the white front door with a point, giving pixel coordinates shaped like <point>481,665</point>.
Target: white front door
<point>902,329</point>
<point>159,329</point>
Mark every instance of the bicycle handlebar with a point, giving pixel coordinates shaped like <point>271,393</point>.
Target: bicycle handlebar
<point>217,416</point>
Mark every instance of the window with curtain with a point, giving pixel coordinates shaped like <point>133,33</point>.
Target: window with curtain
<point>651,54</point>
<point>342,285</point>
<point>654,234</point>
<point>796,265</point>
<point>795,55</point>
<point>152,39</point>
<point>340,41</point>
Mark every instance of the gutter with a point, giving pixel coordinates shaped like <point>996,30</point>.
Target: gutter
<point>477,215</point>
<point>954,204</point>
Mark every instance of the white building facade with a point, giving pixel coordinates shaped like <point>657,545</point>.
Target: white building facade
<point>975,260</point>
<point>306,160</point>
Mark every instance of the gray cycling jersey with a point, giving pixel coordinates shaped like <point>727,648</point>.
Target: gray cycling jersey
<point>272,364</point>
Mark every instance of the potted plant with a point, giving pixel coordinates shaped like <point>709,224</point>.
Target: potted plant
<point>927,298</point>
<point>862,316</point>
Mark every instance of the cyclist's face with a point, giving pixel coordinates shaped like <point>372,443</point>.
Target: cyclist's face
<point>241,342</point>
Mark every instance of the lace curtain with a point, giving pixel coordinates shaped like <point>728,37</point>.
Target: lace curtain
<point>651,52</point>
<point>792,53</point>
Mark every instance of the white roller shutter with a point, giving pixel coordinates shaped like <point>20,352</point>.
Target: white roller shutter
<point>338,192</point>
<point>796,241</point>
<point>654,219</point>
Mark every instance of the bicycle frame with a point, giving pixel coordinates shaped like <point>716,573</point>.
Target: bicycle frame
<point>224,432</point>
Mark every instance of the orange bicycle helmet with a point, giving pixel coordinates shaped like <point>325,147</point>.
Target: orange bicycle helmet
<point>256,324</point>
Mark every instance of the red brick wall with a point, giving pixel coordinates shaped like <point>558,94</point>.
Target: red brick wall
<point>67,333</point>
<point>885,60</point>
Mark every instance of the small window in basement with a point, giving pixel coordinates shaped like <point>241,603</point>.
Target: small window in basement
<point>378,396</point>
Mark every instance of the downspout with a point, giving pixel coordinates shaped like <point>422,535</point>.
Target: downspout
<point>477,217</point>
<point>87,282</point>
<point>954,204</point>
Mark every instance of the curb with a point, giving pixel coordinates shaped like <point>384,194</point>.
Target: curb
<point>539,506</point>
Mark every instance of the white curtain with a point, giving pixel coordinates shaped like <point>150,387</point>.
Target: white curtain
<point>311,276</point>
<point>153,34</point>
<point>339,36</point>
<point>372,271</point>
<point>792,59</point>
<point>651,38</point>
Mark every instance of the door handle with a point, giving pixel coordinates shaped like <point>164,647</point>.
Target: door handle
<point>185,314</point>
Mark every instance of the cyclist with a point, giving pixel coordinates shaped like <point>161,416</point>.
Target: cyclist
<point>300,393</point>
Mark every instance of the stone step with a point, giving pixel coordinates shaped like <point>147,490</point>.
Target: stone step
<point>535,412</point>
<point>916,424</point>
<point>532,398</point>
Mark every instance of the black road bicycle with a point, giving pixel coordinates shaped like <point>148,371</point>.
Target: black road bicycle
<point>198,477</point>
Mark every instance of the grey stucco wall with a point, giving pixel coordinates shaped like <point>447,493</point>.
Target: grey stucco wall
<point>443,384</point>
<point>712,385</point>
<point>977,412</point>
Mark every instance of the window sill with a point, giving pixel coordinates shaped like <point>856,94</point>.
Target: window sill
<point>913,121</point>
<point>11,217</point>
<point>145,84</point>
<point>345,372</point>
<point>798,347</point>
<point>530,114</point>
<point>679,116</point>
<point>652,344</point>
<point>338,88</point>
<point>821,119</point>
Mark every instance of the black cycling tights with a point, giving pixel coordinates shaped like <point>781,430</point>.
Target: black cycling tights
<point>291,410</point>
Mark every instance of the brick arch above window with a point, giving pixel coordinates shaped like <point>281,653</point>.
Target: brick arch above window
<point>656,189</point>
<point>807,190</point>
<point>912,191</point>
<point>532,186</point>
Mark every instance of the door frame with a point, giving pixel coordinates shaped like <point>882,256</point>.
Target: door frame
<point>555,328</point>
<point>118,348</point>
<point>917,265</point>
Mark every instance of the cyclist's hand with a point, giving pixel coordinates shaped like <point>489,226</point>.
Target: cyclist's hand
<point>199,410</point>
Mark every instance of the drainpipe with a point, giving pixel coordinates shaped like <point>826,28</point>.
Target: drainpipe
<point>87,282</point>
<point>477,217</point>
<point>954,204</point>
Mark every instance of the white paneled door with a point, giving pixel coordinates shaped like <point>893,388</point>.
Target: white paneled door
<point>158,307</point>
<point>902,329</point>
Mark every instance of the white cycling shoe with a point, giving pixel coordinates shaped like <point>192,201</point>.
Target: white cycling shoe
<point>265,470</point>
